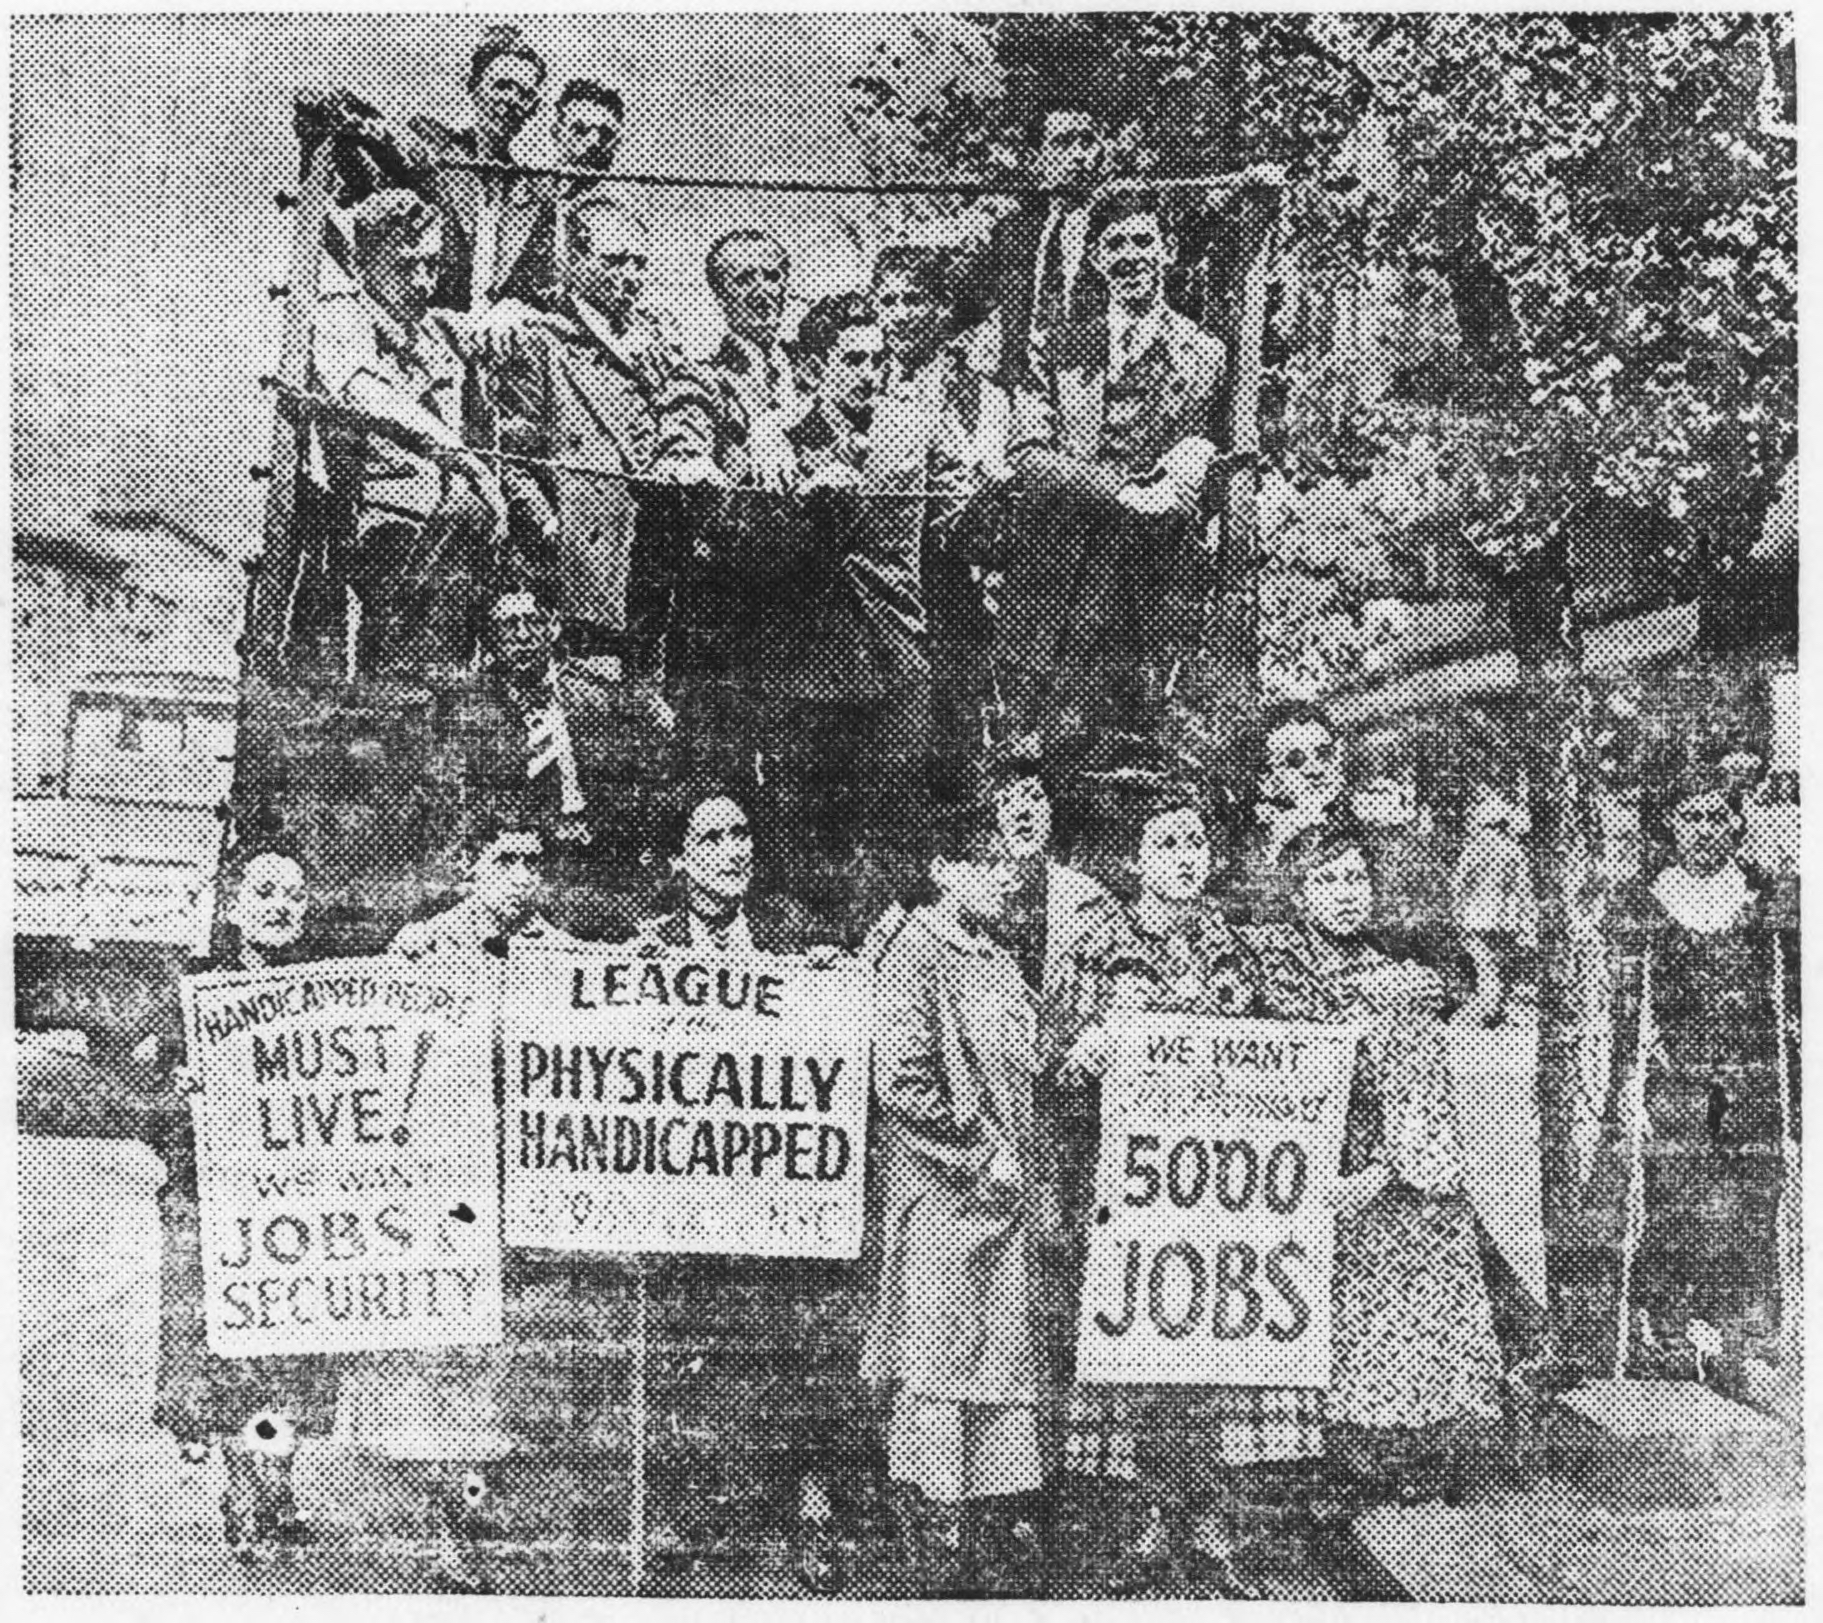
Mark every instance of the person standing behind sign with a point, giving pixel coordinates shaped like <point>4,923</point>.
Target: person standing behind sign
<point>449,1415</point>
<point>1168,950</point>
<point>256,1408</point>
<point>953,1339</point>
<point>709,843</point>
<point>1415,1356</point>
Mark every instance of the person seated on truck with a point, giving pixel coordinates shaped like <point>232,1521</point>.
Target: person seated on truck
<point>430,514</point>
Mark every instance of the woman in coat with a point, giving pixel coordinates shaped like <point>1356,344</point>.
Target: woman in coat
<point>254,1408</point>
<point>1414,1359</point>
<point>953,1340</point>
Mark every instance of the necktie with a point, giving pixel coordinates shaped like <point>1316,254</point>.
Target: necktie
<point>1047,308</point>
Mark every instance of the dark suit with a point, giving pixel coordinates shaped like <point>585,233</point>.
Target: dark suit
<point>846,663</point>
<point>523,201</point>
<point>630,406</point>
<point>776,923</point>
<point>617,756</point>
<point>1101,602</point>
<point>1008,276</point>
<point>733,565</point>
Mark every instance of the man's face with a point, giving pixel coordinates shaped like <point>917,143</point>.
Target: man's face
<point>1023,812</point>
<point>850,375</point>
<point>522,634</point>
<point>608,259</point>
<point>717,858</point>
<point>506,877</point>
<point>1173,860</point>
<point>1337,898</point>
<point>1303,768</point>
<point>505,96</point>
<point>270,906</point>
<point>1131,253</point>
<point>1072,152</point>
<point>402,279</point>
<point>1703,831</point>
<point>750,283</point>
<point>587,136</point>
<point>909,317</point>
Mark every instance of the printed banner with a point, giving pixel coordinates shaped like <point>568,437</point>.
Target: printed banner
<point>677,1104</point>
<point>1213,1238</point>
<point>347,1156</point>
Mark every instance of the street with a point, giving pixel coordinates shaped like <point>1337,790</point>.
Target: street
<point>109,1509</point>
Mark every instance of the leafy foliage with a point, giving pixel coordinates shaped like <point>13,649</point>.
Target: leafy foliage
<point>1604,203</point>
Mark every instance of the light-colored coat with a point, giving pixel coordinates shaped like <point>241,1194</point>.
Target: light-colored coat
<point>953,1070</point>
<point>630,407</point>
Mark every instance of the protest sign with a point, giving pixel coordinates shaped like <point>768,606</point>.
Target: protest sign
<point>1212,1239</point>
<point>347,1156</point>
<point>677,1104</point>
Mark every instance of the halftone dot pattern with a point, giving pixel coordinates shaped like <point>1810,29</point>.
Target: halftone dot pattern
<point>921,672</point>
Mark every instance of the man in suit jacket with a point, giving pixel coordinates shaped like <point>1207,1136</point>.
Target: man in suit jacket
<point>427,510</point>
<point>551,737</point>
<point>928,376</point>
<point>847,661</point>
<point>1113,442</point>
<point>585,131</point>
<point>749,273</point>
<point>728,562</point>
<point>1037,272</point>
<point>492,217</point>
<point>600,386</point>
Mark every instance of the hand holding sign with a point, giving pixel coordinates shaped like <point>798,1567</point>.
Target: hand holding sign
<point>1210,1255</point>
<point>318,1234</point>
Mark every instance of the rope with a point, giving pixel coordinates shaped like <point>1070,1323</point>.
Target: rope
<point>335,409</point>
<point>880,188</point>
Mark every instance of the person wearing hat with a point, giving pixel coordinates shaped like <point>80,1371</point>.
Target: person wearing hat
<point>1702,1105</point>
<point>1166,948</point>
<point>952,1343</point>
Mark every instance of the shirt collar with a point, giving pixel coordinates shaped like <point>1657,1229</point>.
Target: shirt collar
<point>1130,337</point>
<point>1702,905</point>
<point>624,346</point>
<point>392,334</point>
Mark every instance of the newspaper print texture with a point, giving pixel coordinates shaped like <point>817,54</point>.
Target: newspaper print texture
<point>1226,517</point>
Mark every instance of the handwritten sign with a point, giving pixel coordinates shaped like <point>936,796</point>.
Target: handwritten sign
<point>347,1156</point>
<point>677,1104</point>
<point>1212,1244</point>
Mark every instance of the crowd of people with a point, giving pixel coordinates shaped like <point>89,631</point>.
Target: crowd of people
<point>996,977</point>
<point>927,574</point>
<point>994,984</point>
<point>973,498</point>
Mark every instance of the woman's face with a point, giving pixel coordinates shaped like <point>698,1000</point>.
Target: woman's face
<point>1703,829</point>
<point>979,887</point>
<point>1173,861</point>
<point>717,858</point>
<point>1337,897</point>
<point>270,906</point>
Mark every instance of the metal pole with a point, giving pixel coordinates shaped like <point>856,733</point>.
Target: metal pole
<point>1634,1200</point>
<point>636,1506</point>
